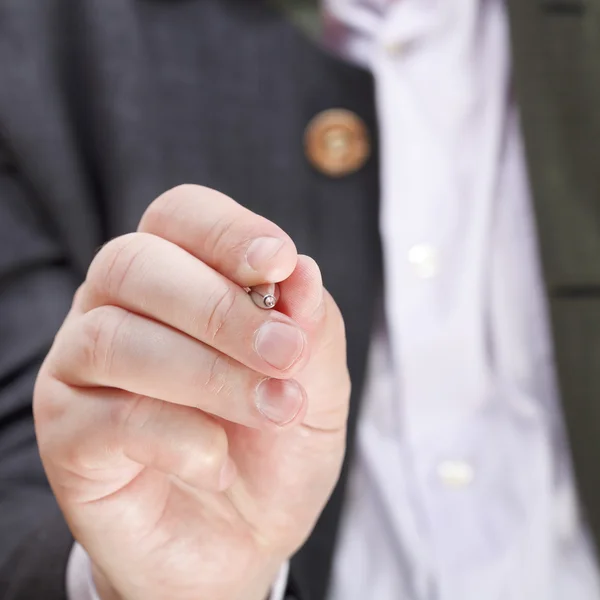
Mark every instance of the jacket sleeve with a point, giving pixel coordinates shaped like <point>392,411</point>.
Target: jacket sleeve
<point>36,288</point>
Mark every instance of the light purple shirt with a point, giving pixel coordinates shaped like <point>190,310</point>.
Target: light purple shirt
<point>462,486</point>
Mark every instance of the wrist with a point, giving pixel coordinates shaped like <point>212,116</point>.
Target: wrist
<point>104,589</point>
<point>261,588</point>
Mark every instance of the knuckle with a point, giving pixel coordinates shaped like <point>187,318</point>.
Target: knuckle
<point>221,238</point>
<point>218,375</point>
<point>215,450</point>
<point>162,210</point>
<point>138,413</point>
<point>48,403</point>
<point>99,331</point>
<point>79,295</point>
<point>115,264</point>
<point>198,465</point>
<point>218,308</point>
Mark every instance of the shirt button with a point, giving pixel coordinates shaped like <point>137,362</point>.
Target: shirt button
<point>423,258</point>
<point>393,48</point>
<point>455,473</point>
<point>337,142</point>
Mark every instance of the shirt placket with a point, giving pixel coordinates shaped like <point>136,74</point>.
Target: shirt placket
<point>432,273</point>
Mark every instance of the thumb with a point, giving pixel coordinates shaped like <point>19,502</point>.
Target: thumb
<point>302,295</point>
<point>325,378</point>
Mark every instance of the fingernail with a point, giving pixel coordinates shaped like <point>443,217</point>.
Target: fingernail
<point>279,344</point>
<point>261,251</point>
<point>279,400</point>
<point>228,474</point>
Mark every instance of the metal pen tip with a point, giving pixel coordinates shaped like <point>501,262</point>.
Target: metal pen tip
<point>265,296</point>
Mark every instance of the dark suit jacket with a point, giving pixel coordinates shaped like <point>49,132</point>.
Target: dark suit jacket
<point>104,104</point>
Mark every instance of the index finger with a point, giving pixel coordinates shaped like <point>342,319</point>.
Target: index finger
<point>243,246</point>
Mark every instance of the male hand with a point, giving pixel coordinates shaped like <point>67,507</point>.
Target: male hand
<point>191,438</point>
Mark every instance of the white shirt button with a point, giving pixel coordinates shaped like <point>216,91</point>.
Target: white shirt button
<point>393,48</point>
<point>455,473</point>
<point>424,260</point>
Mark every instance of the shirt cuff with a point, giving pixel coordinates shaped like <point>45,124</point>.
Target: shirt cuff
<point>280,585</point>
<point>80,583</point>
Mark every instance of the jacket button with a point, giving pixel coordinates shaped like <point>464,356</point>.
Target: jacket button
<point>337,142</point>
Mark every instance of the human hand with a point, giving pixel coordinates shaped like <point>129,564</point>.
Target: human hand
<point>191,438</point>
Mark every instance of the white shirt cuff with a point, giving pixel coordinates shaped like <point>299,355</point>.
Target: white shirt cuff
<point>80,583</point>
<point>280,585</point>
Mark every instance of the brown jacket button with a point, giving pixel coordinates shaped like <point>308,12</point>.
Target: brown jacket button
<point>337,142</point>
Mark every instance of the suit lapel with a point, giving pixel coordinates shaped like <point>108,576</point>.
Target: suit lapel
<point>556,49</point>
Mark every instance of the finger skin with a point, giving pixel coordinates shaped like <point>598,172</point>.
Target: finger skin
<point>219,231</point>
<point>304,298</point>
<point>153,277</point>
<point>113,348</point>
<point>89,431</point>
<point>136,466</point>
<point>302,295</point>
